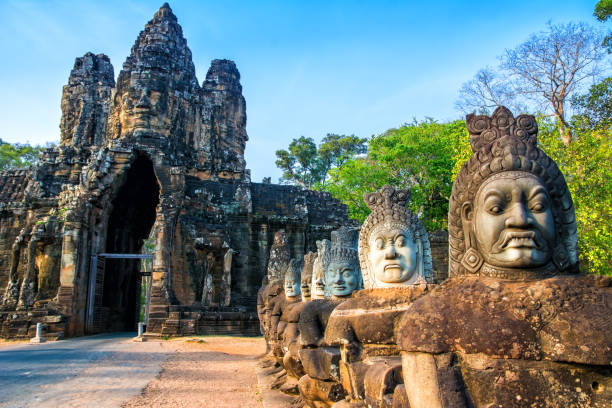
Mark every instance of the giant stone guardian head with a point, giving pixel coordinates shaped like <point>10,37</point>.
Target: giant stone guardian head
<point>510,214</point>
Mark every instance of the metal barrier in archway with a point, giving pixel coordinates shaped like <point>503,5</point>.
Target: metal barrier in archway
<point>95,290</point>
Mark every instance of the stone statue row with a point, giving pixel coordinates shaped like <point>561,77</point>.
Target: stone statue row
<point>360,323</point>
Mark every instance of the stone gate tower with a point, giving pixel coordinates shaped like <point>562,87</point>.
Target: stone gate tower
<point>156,157</point>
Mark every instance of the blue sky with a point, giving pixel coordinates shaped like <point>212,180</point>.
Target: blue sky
<point>308,68</point>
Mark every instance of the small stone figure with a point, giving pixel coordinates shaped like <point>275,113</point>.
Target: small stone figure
<point>291,334</point>
<point>207,284</point>
<point>227,276</point>
<point>396,264</point>
<point>318,269</point>
<point>287,328</point>
<point>511,326</point>
<point>306,276</point>
<point>292,296</point>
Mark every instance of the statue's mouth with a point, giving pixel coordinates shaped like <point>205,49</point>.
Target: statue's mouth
<point>520,239</point>
<point>339,287</point>
<point>392,266</point>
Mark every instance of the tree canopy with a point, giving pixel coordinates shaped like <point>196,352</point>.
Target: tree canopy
<point>603,11</point>
<point>18,155</point>
<point>419,156</point>
<point>307,165</point>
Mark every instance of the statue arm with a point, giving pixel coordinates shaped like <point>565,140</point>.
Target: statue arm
<point>420,374</point>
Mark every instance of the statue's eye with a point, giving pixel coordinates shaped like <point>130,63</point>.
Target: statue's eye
<point>495,208</point>
<point>347,273</point>
<point>400,241</point>
<point>495,204</point>
<point>380,243</point>
<point>539,205</point>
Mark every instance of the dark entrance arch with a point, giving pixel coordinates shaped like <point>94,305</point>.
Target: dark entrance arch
<point>129,224</point>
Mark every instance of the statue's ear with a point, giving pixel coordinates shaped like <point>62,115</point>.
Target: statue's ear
<point>467,212</point>
<point>472,260</point>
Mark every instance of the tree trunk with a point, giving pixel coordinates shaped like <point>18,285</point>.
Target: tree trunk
<point>564,127</point>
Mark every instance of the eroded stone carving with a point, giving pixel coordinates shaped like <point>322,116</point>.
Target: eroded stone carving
<point>279,258</point>
<point>318,269</point>
<point>512,326</point>
<point>306,276</point>
<point>227,276</point>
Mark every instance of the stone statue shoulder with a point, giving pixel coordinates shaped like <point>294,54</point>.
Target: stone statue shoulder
<point>292,311</point>
<point>314,318</point>
<point>530,320</point>
<point>371,315</point>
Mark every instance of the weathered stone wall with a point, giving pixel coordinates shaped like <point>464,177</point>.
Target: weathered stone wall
<point>438,241</point>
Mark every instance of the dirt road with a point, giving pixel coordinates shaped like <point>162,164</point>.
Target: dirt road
<point>218,372</point>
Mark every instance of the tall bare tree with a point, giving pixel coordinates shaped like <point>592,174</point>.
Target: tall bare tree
<point>543,71</point>
<point>551,65</point>
<point>485,92</point>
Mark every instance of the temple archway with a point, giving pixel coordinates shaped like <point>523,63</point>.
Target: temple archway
<point>129,224</point>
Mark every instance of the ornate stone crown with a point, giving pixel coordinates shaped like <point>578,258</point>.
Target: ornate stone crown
<point>502,143</point>
<point>389,210</point>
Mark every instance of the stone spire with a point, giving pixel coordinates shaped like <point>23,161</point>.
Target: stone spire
<point>157,90</point>
<point>224,117</point>
<point>86,101</point>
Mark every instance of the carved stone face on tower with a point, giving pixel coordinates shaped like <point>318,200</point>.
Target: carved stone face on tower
<point>393,245</point>
<point>343,275</point>
<point>144,105</point>
<point>292,279</point>
<point>510,213</point>
<point>318,269</point>
<point>157,90</point>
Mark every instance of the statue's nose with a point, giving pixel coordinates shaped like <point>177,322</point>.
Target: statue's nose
<point>144,101</point>
<point>390,252</point>
<point>518,216</point>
